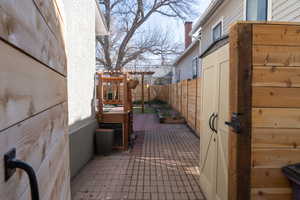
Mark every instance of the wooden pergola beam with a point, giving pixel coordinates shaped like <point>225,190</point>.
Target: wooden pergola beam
<point>143,78</point>
<point>141,73</point>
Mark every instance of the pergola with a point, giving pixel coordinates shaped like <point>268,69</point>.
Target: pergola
<point>142,74</point>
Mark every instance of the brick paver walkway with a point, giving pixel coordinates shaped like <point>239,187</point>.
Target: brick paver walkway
<point>162,165</point>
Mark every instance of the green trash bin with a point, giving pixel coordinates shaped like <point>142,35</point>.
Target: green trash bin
<point>104,141</point>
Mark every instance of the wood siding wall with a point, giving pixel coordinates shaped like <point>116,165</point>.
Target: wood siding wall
<point>229,12</point>
<point>285,10</point>
<point>33,97</point>
<point>275,108</point>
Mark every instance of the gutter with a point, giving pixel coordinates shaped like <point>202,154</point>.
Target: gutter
<point>213,6</point>
<point>215,45</point>
<point>101,25</point>
<point>186,51</point>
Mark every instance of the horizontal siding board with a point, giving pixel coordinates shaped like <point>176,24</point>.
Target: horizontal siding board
<point>271,193</point>
<point>268,177</point>
<point>286,10</point>
<point>275,138</point>
<point>274,158</point>
<point>34,139</point>
<point>276,118</point>
<point>274,97</point>
<point>276,35</point>
<point>275,106</point>
<point>276,76</point>
<point>31,33</point>
<point>53,179</point>
<point>52,16</point>
<point>26,87</point>
<point>275,56</point>
<point>230,11</point>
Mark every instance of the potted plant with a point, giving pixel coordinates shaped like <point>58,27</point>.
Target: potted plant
<point>132,83</point>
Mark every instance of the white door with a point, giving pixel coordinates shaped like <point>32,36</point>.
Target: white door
<point>221,191</point>
<point>214,146</point>
<point>209,95</point>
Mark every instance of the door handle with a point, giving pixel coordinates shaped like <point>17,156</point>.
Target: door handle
<point>213,123</point>
<point>210,122</point>
<point>235,122</point>
<point>11,164</point>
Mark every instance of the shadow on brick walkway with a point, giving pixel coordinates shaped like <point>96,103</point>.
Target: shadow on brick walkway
<point>162,165</point>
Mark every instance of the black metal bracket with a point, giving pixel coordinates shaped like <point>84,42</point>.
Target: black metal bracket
<point>235,123</point>
<point>11,164</point>
<point>9,172</point>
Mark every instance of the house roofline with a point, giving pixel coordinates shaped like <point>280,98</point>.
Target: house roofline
<point>101,25</point>
<point>186,51</point>
<point>213,6</point>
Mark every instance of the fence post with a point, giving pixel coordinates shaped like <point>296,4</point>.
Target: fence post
<point>196,102</point>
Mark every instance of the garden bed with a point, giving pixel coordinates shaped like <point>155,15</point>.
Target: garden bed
<point>168,116</point>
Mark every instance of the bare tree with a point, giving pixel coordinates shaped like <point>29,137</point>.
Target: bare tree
<point>127,40</point>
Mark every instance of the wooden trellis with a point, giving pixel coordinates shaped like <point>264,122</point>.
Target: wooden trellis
<point>113,89</point>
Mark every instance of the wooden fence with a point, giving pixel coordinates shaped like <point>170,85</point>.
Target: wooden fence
<point>152,92</point>
<point>183,97</point>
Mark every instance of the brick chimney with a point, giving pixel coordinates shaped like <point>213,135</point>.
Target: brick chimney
<point>187,30</point>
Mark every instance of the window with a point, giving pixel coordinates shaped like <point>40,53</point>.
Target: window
<point>178,75</point>
<point>217,31</point>
<point>257,10</point>
<point>195,66</point>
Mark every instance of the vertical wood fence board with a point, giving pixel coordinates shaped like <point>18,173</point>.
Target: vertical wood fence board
<point>198,119</point>
<point>192,99</point>
<point>240,102</point>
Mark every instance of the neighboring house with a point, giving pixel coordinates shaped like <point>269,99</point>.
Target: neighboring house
<point>83,23</point>
<point>221,14</point>
<point>186,66</point>
<point>164,80</point>
<point>215,22</point>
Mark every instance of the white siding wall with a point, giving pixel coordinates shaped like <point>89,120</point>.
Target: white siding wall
<point>233,10</point>
<point>185,65</point>
<point>80,45</point>
<point>286,10</point>
<point>230,11</point>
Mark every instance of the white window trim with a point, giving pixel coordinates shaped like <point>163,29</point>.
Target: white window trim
<point>221,20</point>
<point>269,10</point>
<point>197,70</point>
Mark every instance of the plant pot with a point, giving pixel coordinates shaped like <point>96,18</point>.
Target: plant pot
<point>104,141</point>
<point>133,83</point>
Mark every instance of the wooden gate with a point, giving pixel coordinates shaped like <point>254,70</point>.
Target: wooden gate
<point>252,84</point>
<point>214,133</point>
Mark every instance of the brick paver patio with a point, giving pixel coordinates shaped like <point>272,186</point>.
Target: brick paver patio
<point>162,165</point>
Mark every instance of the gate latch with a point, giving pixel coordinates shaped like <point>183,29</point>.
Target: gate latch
<point>235,123</point>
